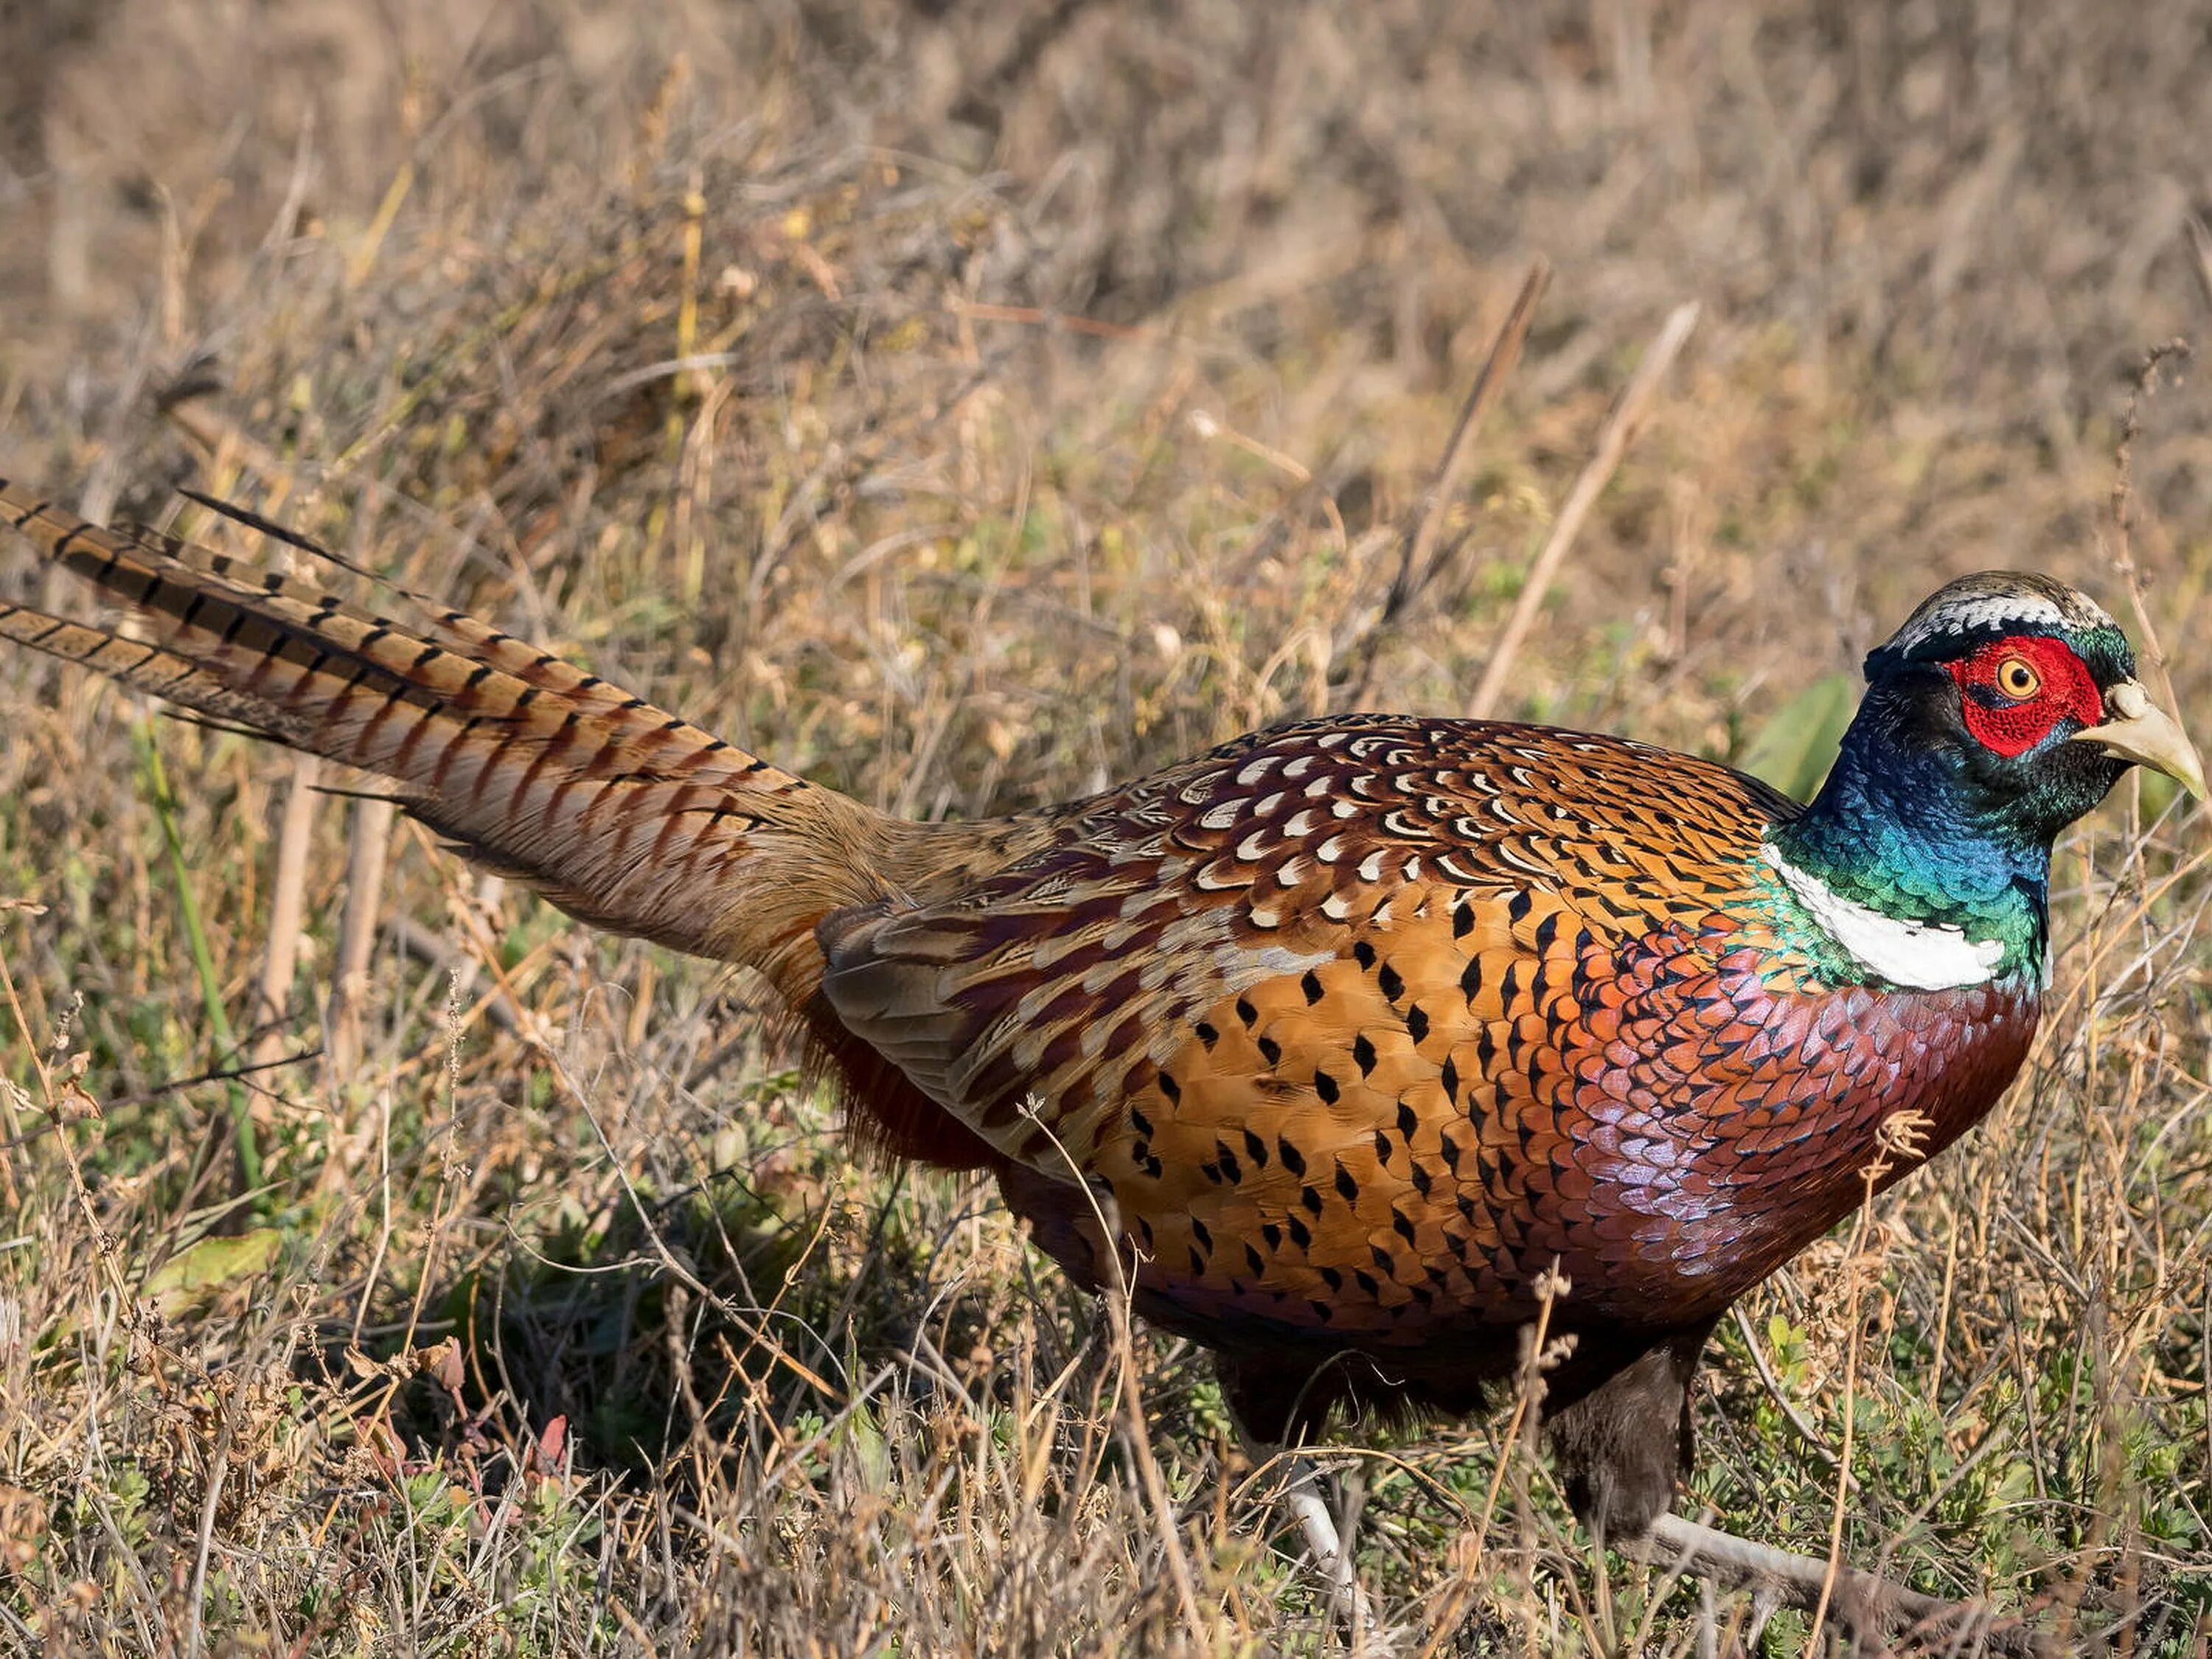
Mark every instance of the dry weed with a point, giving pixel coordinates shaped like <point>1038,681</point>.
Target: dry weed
<point>969,405</point>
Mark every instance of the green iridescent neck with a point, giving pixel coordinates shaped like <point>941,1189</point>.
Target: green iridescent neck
<point>1890,858</point>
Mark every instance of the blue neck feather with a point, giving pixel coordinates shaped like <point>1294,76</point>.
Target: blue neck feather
<point>1895,828</point>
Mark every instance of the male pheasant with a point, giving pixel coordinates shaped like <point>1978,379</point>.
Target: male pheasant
<point>1351,1030</point>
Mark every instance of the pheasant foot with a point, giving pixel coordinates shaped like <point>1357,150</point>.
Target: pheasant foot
<point>1871,1608</point>
<point>1331,1555</point>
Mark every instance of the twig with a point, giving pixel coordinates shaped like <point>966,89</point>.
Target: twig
<point>1119,1293</point>
<point>433,950</point>
<point>1834,1571</point>
<point>2121,549</point>
<point>223,1075</point>
<point>1540,1352</point>
<point>1040,317</point>
<point>372,837</point>
<point>204,1538</point>
<point>1417,555</point>
<point>1806,1431</point>
<point>2200,249</point>
<point>1613,440</point>
<point>287,910</point>
<point>1898,1138</point>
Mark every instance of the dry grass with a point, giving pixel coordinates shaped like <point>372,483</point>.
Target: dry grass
<point>969,409</point>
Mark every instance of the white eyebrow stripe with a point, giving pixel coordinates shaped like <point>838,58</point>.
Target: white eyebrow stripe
<point>2007,612</point>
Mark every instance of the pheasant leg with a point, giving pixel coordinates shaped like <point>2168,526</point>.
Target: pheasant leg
<point>1306,1493</point>
<point>1869,1605</point>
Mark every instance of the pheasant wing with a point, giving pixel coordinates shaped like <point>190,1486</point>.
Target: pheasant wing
<point>1302,1006</point>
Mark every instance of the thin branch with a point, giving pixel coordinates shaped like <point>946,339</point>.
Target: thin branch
<point>370,842</point>
<point>1613,440</point>
<point>287,909</point>
<point>2122,549</point>
<point>1806,1431</point>
<point>2200,250</point>
<point>1417,560</point>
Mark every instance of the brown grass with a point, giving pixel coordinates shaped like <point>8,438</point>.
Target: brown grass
<point>968,408</point>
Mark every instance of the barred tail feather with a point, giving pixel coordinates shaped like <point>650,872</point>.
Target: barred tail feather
<point>626,816</point>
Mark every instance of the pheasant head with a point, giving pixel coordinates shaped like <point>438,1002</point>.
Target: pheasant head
<point>2004,708</point>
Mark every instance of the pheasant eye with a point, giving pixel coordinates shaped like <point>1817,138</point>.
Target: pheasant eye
<point>2017,679</point>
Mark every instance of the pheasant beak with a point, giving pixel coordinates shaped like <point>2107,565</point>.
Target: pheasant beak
<point>2137,729</point>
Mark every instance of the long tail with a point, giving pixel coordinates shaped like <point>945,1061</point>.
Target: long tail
<point>619,812</point>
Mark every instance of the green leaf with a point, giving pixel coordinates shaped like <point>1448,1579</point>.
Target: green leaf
<point>1796,745</point>
<point>214,1261</point>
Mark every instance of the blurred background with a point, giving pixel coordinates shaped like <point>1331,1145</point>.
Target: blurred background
<point>970,402</point>
<point>1932,242</point>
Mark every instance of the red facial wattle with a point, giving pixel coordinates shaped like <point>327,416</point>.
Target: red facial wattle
<point>2010,724</point>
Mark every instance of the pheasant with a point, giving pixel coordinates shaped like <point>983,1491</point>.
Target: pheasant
<point>1349,1036</point>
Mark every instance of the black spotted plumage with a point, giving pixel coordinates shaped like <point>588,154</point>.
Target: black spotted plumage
<point>1368,1026</point>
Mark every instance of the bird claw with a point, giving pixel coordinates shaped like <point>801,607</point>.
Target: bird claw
<point>1348,1606</point>
<point>1871,1608</point>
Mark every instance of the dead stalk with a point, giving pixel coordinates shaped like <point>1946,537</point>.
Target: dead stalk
<point>1898,1138</point>
<point>1613,440</point>
<point>2200,255</point>
<point>2121,549</point>
<point>287,911</point>
<point>1417,555</point>
<point>1119,1294</point>
<point>371,839</point>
